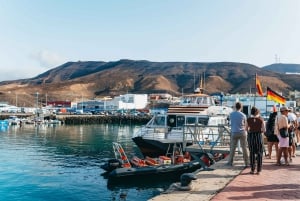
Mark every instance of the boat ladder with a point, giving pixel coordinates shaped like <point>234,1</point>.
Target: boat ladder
<point>120,154</point>
<point>176,150</point>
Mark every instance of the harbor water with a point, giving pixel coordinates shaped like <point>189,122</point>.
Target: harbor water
<point>45,163</point>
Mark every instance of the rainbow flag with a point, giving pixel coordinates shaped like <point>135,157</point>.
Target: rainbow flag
<point>272,95</point>
<point>258,86</point>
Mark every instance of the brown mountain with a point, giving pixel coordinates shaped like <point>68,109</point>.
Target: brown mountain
<point>80,80</point>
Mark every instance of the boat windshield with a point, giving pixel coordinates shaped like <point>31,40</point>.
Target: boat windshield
<point>196,100</point>
<point>203,120</point>
<point>191,120</point>
<point>159,121</point>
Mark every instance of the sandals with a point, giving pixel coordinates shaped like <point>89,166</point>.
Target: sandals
<point>251,172</point>
<point>278,164</point>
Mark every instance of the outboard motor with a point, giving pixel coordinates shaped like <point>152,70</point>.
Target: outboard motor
<point>111,164</point>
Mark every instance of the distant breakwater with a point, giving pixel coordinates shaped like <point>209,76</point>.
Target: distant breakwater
<point>100,119</point>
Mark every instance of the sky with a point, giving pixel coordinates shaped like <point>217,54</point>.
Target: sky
<point>39,35</point>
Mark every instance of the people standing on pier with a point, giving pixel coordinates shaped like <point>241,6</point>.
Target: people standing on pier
<point>255,128</point>
<point>282,122</point>
<point>271,137</point>
<point>238,123</point>
<point>292,119</point>
<point>298,129</point>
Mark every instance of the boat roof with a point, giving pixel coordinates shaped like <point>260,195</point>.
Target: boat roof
<point>196,95</point>
<point>178,109</point>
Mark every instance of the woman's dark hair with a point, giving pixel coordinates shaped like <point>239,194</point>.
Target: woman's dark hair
<point>271,122</point>
<point>254,111</point>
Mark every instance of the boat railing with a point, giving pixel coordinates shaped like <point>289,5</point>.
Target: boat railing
<point>158,132</point>
<point>121,155</point>
<point>206,136</point>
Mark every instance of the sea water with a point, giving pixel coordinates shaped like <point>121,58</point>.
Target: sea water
<point>45,163</point>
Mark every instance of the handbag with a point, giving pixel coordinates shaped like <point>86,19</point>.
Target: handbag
<point>282,131</point>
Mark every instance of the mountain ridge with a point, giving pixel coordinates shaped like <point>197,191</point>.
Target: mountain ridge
<point>94,79</point>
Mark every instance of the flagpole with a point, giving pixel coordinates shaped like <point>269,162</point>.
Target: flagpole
<point>255,88</point>
<point>266,107</point>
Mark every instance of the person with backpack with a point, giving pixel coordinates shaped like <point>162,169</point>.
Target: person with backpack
<point>271,137</point>
<point>281,124</point>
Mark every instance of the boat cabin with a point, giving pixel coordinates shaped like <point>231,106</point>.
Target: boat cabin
<point>180,120</point>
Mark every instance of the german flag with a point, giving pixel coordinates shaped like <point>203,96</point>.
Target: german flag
<point>258,86</point>
<point>272,95</point>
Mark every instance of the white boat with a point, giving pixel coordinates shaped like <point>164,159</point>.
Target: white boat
<point>53,121</point>
<point>159,135</point>
<point>13,120</point>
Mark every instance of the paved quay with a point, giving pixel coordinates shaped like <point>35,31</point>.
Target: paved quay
<point>236,183</point>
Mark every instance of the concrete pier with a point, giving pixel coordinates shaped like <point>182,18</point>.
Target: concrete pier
<point>236,183</point>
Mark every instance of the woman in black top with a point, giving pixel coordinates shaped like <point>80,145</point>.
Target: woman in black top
<point>255,128</point>
<point>271,137</point>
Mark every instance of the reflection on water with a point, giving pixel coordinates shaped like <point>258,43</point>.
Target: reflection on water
<point>63,162</point>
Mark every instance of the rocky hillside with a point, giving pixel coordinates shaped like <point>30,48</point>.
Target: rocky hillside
<point>283,68</point>
<point>91,79</point>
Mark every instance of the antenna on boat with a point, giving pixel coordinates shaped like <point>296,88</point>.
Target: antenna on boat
<point>203,81</point>
<point>200,89</point>
<point>201,85</point>
<point>194,80</point>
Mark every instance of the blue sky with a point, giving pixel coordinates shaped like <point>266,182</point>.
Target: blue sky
<point>38,35</point>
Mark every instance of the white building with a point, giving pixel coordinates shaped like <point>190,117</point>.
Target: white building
<point>129,101</point>
<point>122,102</point>
<point>265,106</point>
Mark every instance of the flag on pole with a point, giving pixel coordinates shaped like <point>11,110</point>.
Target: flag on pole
<point>272,95</point>
<point>258,86</point>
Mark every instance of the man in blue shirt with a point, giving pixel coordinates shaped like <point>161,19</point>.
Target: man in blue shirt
<point>238,122</point>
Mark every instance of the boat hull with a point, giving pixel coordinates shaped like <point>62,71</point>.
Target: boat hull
<point>155,148</point>
<point>154,172</point>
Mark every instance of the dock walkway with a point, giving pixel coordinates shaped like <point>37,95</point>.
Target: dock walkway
<point>235,183</point>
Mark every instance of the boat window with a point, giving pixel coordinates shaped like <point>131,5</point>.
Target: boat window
<point>180,121</point>
<point>190,120</point>
<point>203,120</point>
<point>186,100</point>
<point>172,120</point>
<point>199,100</point>
<point>159,121</point>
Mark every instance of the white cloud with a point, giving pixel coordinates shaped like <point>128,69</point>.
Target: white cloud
<point>48,59</point>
